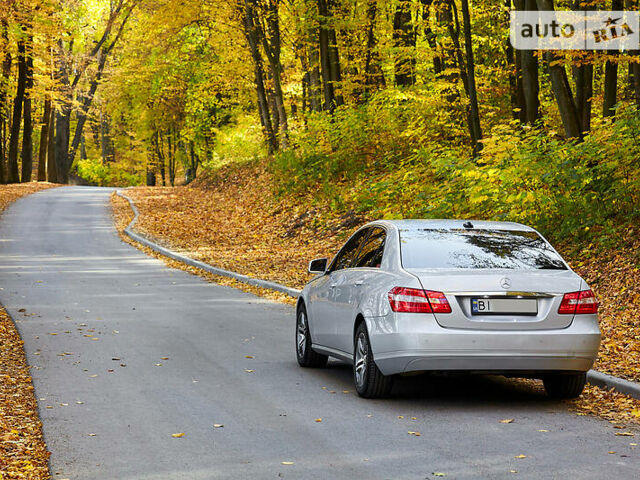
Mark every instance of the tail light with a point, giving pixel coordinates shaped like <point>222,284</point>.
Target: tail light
<point>578,302</point>
<point>416,300</point>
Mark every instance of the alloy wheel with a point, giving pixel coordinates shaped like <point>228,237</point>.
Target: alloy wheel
<point>362,353</point>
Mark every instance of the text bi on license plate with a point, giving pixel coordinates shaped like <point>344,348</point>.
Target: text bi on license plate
<point>523,306</point>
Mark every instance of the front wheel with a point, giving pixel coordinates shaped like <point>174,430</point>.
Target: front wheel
<point>564,385</point>
<point>370,382</point>
<point>304,353</point>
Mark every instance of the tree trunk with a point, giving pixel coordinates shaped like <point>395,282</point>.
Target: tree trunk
<point>374,77</point>
<point>271,42</point>
<point>63,120</point>
<point>157,140</point>
<point>635,78</point>
<point>583,79</point>
<point>52,171</point>
<point>404,39</point>
<point>314,79</point>
<point>14,140</point>
<point>561,88</point>
<point>84,109</point>
<point>63,117</point>
<point>454,32</point>
<point>27,130</point>
<point>251,34</point>
<point>474,112</point>
<point>334,63</point>
<point>6,72</point>
<point>44,136</point>
<point>329,57</point>
<point>438,63</point>
<point>516,90</point>
<point>611,75</point>
<point>529,64</point>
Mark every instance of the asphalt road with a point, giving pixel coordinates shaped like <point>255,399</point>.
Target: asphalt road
<point>126,352</point>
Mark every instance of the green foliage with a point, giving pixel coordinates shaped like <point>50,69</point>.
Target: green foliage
<point>382,163</point>
<point>239,142</point>
<point>116,174</point>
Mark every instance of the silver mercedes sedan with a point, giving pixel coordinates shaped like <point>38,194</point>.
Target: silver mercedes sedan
<point>449,296</point>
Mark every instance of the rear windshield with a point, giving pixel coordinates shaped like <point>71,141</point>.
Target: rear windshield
<point>476,248</point>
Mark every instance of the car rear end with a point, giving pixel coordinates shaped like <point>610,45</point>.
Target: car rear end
<point>496,299</point>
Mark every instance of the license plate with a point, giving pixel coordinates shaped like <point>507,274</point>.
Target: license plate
<point>500,306</point>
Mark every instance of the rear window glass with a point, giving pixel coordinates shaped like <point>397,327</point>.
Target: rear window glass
<point>476,248</point>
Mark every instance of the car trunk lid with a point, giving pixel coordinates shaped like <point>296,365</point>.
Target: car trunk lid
<point>501,299</point>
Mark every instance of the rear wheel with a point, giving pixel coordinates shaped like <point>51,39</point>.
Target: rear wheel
<point>304,353</point>
<point>564,385</point>
<point>370,382</point>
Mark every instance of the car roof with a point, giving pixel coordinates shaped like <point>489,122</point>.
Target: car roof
<point>420,224</point>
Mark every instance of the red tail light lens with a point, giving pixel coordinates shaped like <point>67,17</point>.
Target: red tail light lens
<point>415,300</point>
<point>578,302</point>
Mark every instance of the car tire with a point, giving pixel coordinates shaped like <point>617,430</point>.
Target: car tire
<point>564,385</point>
<point>369,381</point>
<point>306,356</point>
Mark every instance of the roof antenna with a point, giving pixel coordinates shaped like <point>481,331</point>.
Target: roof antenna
<point>467,225</point>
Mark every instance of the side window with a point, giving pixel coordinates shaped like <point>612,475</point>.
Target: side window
<point>348,253</point>
<point>372,250</point>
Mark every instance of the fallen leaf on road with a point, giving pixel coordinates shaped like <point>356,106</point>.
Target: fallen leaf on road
<point>177,435</point>
<point>92,434</point>
<point>218,425</point>
<point>611,452</point>
<point>286,463</point>
<point>93,376</point>
<point>164,358</point>
<point>248,370</point>
<point>22,310</point>
<point>543,430</point>
<point>439,474</point>
<point>625,434</point>
<point>318,420</point>
<point>115,359</point>
<point>400,416</point>
<point>415,434</point>
<point>248,356</point>
<point>507,420</point>
<point>158,364</point>
<point>520,456</point>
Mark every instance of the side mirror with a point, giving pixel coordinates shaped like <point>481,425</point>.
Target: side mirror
<point>318,266</point>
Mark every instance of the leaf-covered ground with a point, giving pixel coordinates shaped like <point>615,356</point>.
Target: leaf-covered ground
<point>234,221</point>
<point>23,453</point>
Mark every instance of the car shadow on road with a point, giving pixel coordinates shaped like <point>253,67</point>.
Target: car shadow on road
<point>455,389</point>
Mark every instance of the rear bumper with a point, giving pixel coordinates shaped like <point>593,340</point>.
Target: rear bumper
<point>409,343</point>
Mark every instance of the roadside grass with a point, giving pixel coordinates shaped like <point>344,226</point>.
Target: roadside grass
<point>23,453</point>
<point>232,219</point>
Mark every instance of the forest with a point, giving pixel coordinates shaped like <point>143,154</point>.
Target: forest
<point>389,107</point>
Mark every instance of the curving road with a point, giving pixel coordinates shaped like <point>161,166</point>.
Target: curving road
<point>126,352</point>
